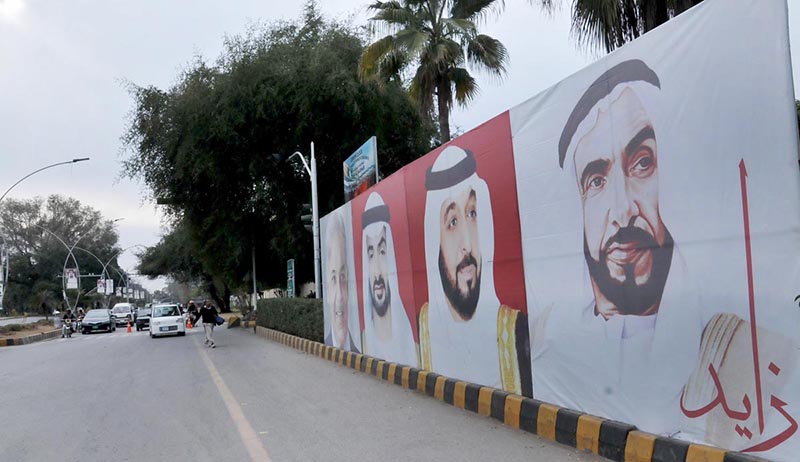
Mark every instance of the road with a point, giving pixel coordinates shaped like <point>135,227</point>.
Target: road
<point>126,397</point>
<point>21,320</point>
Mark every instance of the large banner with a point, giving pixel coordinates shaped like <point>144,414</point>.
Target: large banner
<point>361,169</point>
<point>624,244</point>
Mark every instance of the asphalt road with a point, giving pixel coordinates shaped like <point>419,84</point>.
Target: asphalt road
<point>126,397</point>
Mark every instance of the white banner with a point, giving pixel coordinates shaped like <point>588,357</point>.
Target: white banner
<point>101,286</point>
<point>109,287</point>
<point>118,291</point>
<point>661,232</point>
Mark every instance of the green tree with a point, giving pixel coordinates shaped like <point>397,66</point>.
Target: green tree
<point>37,257</point>
<point>437,38</point>
<point>206,145</point>
<point>609,24</point>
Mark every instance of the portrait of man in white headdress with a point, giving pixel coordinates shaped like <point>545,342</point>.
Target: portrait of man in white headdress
<point>387,329</point>
<point>642,331</point>
<point>465,332</point>
<point>336,284</point>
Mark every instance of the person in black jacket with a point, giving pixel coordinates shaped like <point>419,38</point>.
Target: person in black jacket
<point>208,313</point>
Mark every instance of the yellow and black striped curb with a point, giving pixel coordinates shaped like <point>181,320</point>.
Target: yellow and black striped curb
<point>248,324</point>
<point>611,439</point>
<point>234,321</point>
<point>30,338</point>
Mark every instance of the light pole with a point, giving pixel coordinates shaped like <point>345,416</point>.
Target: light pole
<point>312,173</point>
<point>69,253</point>
<point>73,161</point>
<point>127,298</point>
<point>4,250</point>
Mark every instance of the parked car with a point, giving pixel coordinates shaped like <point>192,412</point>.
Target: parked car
<point>98,320</point>
<point>166,320</point>
<point>143,318</point>
<point>123,313</point>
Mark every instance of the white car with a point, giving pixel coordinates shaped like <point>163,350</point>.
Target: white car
<point>166,320</point>
<point>123,314</point>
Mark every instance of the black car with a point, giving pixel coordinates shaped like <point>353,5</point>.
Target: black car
<point>98,321</point>
<point>143,318</point>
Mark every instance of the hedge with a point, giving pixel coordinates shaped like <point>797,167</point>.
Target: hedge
<point>296,316</point>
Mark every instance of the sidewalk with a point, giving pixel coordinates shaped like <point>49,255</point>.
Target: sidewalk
<point>306,408</point>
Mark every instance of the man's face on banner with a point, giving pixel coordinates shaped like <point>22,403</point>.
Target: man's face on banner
<point>616,164</point>
<point>460,252</point>
<point>378,267</point>
<point>336,294</point>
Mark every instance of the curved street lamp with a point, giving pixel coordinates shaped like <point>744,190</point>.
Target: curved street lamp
<point>127,299</point>
<point>69,253</point>
<point>6,263</point>
<point>73,161</point>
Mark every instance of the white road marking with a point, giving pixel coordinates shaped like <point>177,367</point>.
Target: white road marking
<point>257,451</point>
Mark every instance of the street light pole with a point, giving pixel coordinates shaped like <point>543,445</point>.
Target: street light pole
<point>255,289</point>
<point>4,251</point>
<point>73,161</point>
<point>315,225</point>
<point>312,173</point>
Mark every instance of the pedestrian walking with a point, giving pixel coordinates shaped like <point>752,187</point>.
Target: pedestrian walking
<point>209,314</point>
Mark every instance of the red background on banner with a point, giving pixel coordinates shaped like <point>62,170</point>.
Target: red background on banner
<point>492,147</point>
<point>404,193</point>
<point>392,192</point>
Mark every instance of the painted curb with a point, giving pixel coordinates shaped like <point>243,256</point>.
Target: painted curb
<point>248,324</point>
<point>30,338</point>
<point>613,440</point>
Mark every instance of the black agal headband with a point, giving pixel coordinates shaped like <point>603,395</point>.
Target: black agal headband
<point>452,176</point>
<point>376,214</point>
<point>633,70</point>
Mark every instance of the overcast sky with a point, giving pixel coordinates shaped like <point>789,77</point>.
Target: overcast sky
<point>63,65</point>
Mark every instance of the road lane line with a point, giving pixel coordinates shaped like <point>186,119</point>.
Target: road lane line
<point>257,451</point>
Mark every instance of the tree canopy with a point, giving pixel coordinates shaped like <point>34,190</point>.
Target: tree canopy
<point>205,146</point>
<point>32,229</point>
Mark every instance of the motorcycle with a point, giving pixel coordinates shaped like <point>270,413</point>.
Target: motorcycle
<point>67,328</point>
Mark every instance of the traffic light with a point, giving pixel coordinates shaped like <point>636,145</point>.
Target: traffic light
<point>307,217</point>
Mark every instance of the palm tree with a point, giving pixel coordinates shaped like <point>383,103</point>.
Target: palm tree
<point>438,37</point>
<point>612,23</point>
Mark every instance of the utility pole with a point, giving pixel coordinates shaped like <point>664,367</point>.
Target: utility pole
<point>312,173</point>
<point>255,290</point>
<point>315,213</point>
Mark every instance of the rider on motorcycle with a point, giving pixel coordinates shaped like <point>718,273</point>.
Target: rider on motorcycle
<point>66,324</point>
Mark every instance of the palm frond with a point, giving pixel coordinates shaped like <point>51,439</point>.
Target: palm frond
<point>411,40</point>
<point>488,53</point>
<point>459,26</point>
<point>465,85</point>
<point>369,64</point>
<point>599,23</point>
<point>476,10</point>
<point>392,15</point>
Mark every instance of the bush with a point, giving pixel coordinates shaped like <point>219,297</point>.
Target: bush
<point>296,316</point>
